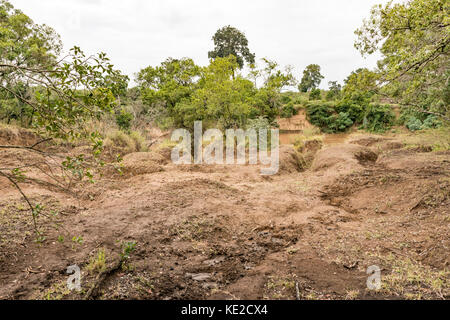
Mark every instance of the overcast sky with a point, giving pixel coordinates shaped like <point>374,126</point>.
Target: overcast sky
<point>139,33</point>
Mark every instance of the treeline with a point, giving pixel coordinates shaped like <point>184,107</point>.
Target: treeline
<point>409,87</point>
<point>38,90</point>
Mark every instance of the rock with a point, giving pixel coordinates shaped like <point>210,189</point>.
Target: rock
<point>199,276</point>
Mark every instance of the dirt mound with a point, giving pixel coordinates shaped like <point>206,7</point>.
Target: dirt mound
<point>290,160</point>
<point>311,146</point>
<point>17,136</point>
<point>366,141</point>
<point>297,122</point>
<point>165,152</point>
<point>344,155</point>
<point>142,163</point>
<point>391,145</point>
<point>382,143</point>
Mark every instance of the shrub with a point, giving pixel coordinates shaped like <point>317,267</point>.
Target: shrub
<point>315,94</point>
<point>324,116</point>
<point>124,143</point>
<point>413,124</point>
<point>124,119</point>
<point>288,111</point>
<point>340,122</point>
<point>285,99</point>
<point>354,110</point>
<point>319,113</point>
<point>378,118</point>
<point>431,122</point>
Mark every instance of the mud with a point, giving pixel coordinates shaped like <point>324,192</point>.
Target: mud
<point>225,232</point>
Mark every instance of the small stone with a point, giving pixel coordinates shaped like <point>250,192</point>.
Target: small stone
<point>199,276</point>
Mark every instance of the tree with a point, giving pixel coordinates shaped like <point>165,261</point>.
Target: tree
<point>311,78</point>
<point>168,83</point>
<point>231,41</point>
<point>413,38</point>
<point>361,85</point>
<point>22,44</point>
<point>61,94</point>
<point>220,98</point>
<point>334,90</point>
<point>268,98</point>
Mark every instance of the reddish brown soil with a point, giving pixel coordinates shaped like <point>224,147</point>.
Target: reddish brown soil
<point>213,232</point>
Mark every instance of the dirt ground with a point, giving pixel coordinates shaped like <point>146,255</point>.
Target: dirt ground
<point>162,231</point>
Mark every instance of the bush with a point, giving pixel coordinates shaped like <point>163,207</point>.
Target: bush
<point>354,110</point>
<point>340,122</point>
<point>285,99</point>
<point>288,111</point>
<point>378,118</point>
<point>324,116</point>
<point>413,124</point>
<point>117,141</point>
<point>315,94</point>
<point>431,122</point>
<point>124,119</point>
<point>319,113</point>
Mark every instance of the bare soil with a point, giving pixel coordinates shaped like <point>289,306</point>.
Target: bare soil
<point>226,232</point>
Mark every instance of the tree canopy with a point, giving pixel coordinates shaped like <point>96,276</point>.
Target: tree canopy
<point>413,38</point>
<point>311,78</point>
<point>230,41</point>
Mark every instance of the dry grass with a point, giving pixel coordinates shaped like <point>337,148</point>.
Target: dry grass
<point>437,139</point>
<point>124,142</point>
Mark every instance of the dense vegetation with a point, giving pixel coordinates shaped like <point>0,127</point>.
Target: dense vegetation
<point>38,90</point>
<point>59,96</point>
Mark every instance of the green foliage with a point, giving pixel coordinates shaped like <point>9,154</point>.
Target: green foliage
<point>353,109</point>
<point>339,122</point>
<point>219,99</point>
<point>432,122</point>
<point>360,86</point>
<point>378,118</point>
<point>285,99</point>
<point>231,41</point>
<point>311,78</point>
<point>334,90</point>
<point>288,111</point>
<point>415,120</point>
<point>259,123</point>
<point>169,83</point>
<point>315,94</point>
<point>225,99</point>
<point>414,124</point>
<point>319,114</point>
<point>124,120</point>
<point>127,248</point>
<point>413,38</point>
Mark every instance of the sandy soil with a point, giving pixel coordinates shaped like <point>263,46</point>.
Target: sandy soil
<point>225,232</point>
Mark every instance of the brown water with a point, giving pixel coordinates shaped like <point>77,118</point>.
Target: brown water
<point>335,138</point>
<point>288,137</point>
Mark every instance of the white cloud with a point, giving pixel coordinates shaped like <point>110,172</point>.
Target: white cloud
<point>138,33</point>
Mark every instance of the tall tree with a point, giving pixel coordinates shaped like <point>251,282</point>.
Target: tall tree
<point>334,90</point>
<point>230,41</point>
<point>413,38</point>
<point>311,78</point>
<point>169,83</point>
